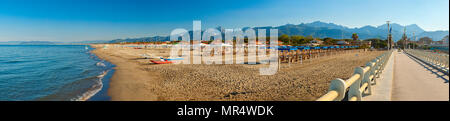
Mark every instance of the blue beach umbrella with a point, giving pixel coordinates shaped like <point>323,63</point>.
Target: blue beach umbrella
<point>293,48</point>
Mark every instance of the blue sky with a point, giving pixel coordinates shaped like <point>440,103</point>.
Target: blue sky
<point>76,20</point>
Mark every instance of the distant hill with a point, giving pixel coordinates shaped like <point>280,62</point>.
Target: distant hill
<point>90,42</point>
<point>445,38</point>
<point>435,35</point>
<point>11,43</point>
<point>143,39</point>
<point>37,43</point>
<point>322,30</point>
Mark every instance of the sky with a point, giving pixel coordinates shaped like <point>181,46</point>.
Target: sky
<point>77,20</point>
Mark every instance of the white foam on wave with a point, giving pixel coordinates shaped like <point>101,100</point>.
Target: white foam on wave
<point>100,64</point>
<point>94,88</point>
<point>97,86</point>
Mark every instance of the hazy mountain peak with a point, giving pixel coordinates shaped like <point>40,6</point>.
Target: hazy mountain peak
<point>413,25</point>
<point>325,25</point>
<point>414,28</point>
<point>368,26</point>
<point>318,22</point>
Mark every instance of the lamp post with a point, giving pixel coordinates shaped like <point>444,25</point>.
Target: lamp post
<point>389,34</point>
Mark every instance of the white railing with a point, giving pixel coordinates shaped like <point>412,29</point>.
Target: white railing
<point>437,60</point>
<point>359,83</point>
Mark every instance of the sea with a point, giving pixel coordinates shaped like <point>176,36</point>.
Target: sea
<point>53,73</point>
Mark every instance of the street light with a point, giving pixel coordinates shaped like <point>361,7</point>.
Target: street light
<point>388,37</point>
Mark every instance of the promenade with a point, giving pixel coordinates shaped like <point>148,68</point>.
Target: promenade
<point>417,81</point>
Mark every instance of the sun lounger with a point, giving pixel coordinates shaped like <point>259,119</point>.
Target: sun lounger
<point>161,62</point>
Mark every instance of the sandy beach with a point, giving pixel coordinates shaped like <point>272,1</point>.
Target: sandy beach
<point>136,78</point>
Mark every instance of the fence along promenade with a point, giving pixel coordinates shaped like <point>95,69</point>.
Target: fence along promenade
<point>436,60</point>
<point>359,83</point>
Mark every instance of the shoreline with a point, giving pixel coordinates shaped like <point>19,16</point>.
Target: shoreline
<point>127,83</point>
<point>104,80</point>
<point>102,94</point>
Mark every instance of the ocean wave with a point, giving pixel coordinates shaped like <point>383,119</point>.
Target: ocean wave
<point>86,71</point>
<point>14,61</point>
<point>52,76</point>
<point>91,85</point>
<point>100,64</point>
<point>99,82</point>
<point>95,88</point>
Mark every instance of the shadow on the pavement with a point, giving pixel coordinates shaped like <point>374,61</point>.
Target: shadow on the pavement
<point>429,68</point>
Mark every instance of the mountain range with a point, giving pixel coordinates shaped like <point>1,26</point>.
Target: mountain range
<point>322,30</point>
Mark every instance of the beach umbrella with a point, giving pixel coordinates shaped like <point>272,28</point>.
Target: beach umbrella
<point>293,48</point>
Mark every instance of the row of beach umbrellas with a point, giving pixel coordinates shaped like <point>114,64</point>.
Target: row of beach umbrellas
<point>311,48</point>
<point>276,47</point>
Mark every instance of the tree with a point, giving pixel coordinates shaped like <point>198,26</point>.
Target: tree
<point>412,45</point>
<point>378,43</point>
<point>426,47</point>
<point>425,40</point>
<point>401,43</point>
<point>284,38</point>
<point>363,46</point>
<point>308,39</point>
<point>355,36</point>
<point>329,41</point>
<point>297,40</point>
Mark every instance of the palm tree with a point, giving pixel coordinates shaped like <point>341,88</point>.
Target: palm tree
<point>355,36</point>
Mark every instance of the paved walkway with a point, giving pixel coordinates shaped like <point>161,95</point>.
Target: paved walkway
<point>382,91</point>
<point>416,81</point>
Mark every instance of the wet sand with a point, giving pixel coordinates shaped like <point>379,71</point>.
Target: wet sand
<point>136,78</point>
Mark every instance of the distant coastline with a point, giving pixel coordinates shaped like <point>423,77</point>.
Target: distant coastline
<point>49,43</point>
